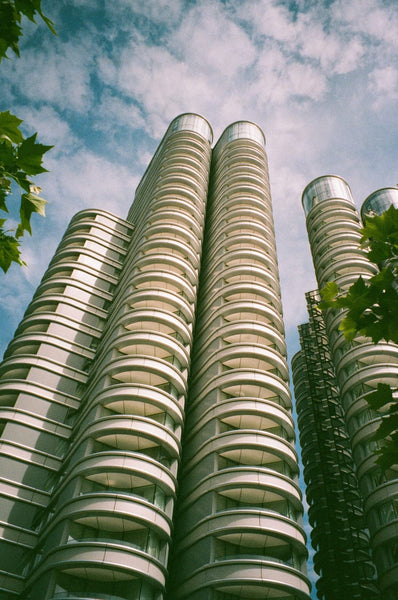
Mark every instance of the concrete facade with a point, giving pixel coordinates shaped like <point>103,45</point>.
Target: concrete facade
<point>136,335</point>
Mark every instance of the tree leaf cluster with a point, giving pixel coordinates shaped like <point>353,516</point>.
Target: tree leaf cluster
<point>372,304</point>
<point>372,310</point>
<point>387,433</point>
<point>11,13</point>
<point>20,158</point>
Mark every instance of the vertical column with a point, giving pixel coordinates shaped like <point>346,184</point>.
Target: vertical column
<point>339,538</point>
<point>333,228</point>
<point>43,375</point>
<point>111,529</point>
<point>238,532</point>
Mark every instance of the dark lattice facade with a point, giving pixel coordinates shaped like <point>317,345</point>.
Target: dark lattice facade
<point>342,554</point>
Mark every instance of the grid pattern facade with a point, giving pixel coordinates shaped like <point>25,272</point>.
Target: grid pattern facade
<point>333,227</point>
<point>96,385</point>
<point>342,550</point>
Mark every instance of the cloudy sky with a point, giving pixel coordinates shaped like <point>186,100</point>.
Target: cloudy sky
<point>319,77</point>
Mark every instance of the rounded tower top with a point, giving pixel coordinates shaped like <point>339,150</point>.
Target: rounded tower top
<point>325,188</point>
<point>241,130</point>
<point>192,122</point>
<point>379,201</point>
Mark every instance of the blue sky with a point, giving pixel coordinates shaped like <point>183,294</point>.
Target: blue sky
<point>320,78</point>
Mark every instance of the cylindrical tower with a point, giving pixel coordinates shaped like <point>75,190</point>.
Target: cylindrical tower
<point>238,532</point>
<point>333,227</point>
<point>111,528</point>
<point>42,378</point>
<point>379,201</point>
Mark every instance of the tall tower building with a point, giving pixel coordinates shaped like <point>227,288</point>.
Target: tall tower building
<point>134,336</point>
<point>333,227</point>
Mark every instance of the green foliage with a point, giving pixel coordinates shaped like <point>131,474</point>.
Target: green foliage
<point>19,159</point>
<point>387,433</point>
<point>372,310</point>
<point>372,305</point>
<point>11,12</point>
<point>9,249</point>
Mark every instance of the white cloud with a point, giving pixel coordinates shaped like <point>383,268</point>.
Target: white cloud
<point>160,11</point>
<point>304,77</point>
<point>305,37</point>
<point>118,113</point>
<point>383,85</point>
<point>279,79</point>
<point>53,129</point>
<point>336,54</point>
<point>56,73</point>
<point>374,18</point>
<point>270,19</point>
<point>294,258</point>
<point>85,180</point>
<point>163,84</point>
<point>210,42</point>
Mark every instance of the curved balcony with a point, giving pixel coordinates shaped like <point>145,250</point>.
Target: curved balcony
<point>100,563</point>
<point>115,469</point>
<point>245,577</point>
<point>247,383</point>
<point>251,487</point>
<point>247,413</point>
<point>248,447</point>
<point>140,400</point>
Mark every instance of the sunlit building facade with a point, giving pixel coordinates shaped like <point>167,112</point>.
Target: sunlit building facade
<point>333,225</point>
<point>142,329</point>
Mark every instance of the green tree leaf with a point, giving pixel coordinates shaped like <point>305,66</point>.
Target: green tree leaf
<point>381,228</point>
<point>9,127</point>
<point>10,30</point>
<point>5,187</point>
<point>9,250</point>
<point>30,203</point>
<point>388,454</point>
<point>19,157</point>
<point>381,397</point>
<point>30,156</point>
<point>11,12</point>
<point>328,295</point>
<point>372,310</point>
<point>8,160</point>
<point>27,8</point>
<point>389,425</point>
<point>349,327</point>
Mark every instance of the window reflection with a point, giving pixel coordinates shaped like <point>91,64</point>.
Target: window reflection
<point>325,188</point>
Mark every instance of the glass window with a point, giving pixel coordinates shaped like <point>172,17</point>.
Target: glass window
<point>192,122</point>
<point>380,201</point>
<point>242,130</point>
<point>325,188</point>
<point>70,586</point>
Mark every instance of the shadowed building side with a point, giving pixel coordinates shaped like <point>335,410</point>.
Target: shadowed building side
<point>42,379</point>
<point>333,226</point>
